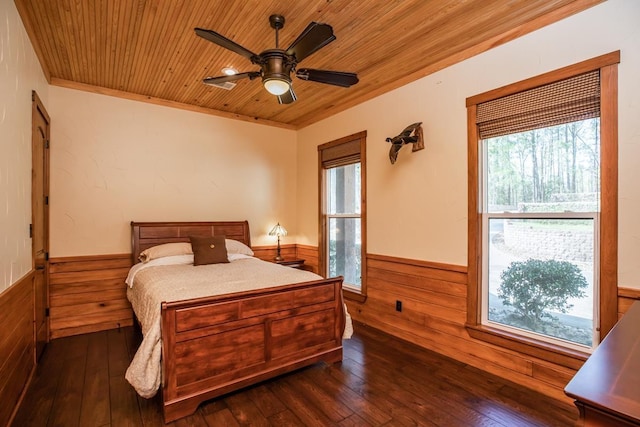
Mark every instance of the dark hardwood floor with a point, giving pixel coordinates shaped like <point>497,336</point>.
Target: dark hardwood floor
<point>382,381</point>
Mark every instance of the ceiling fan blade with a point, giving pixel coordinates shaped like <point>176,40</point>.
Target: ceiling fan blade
<point>310,40</point>
<point>287,97</point>
<point>223,79</point>
<point>337,78</point>
<point>220,40</point>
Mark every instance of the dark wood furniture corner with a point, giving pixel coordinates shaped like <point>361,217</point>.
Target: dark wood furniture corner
<point>607,387</point>
<point>293,263</point>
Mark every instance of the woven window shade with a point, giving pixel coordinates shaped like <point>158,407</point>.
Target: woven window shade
<point>565,101</point>
<point>340,155</point>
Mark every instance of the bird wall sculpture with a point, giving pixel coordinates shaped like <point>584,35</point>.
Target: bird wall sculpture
<point>412,134</point>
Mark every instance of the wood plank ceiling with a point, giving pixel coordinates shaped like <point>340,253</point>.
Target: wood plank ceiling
<point>147,50</point>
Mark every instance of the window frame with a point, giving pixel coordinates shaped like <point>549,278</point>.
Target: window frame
<point>339,158</point>
<point>608,233</point>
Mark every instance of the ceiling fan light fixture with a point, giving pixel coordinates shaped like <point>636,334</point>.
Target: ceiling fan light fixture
<point>276,65</point>
<point>276,85</point>
<point>229,71</point>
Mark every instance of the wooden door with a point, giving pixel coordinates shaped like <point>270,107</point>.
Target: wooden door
<point>40,220</point>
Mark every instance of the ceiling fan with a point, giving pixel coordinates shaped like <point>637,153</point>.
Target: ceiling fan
<point>277,64</point>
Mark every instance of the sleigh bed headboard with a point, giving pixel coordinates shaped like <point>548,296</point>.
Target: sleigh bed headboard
<point>147,234</point>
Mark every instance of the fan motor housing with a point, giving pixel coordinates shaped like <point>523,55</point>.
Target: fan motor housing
<point>277,65</point>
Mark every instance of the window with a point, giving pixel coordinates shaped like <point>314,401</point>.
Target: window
<point>342,212</point>
<point>540,206</point>
<point>344,224</point>
<point>543,212</point>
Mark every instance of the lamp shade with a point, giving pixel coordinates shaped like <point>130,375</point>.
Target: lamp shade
<point>278,230</point>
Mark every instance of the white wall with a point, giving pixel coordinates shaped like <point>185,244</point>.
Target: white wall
<point>115,160</point>
<point>417,208</point>
<point>20,73</point>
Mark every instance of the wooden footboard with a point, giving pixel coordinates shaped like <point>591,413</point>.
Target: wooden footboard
<point>214,345</point>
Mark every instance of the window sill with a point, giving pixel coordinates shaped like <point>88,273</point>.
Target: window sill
<point>552,353</point>
<point>353,295</point>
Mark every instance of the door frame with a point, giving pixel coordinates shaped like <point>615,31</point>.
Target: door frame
<point>38,109</point>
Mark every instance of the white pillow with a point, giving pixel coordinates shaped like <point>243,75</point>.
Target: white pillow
<point>184,248</point>
<point>164,250</point>
<point>236,247</point>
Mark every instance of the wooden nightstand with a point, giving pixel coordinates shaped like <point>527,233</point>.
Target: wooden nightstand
<point>292,262</point>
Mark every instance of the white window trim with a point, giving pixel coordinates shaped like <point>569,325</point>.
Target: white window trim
<point>328,218</point>
<point>484,316</point>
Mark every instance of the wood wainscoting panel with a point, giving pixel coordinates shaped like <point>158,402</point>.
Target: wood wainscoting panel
<point>626,297</point>
<point>433,298</point>
<point>308,253</point>
<point>88,294</point>
<point>17,344</point>
<point>268,253</point>
<point>310,256</point>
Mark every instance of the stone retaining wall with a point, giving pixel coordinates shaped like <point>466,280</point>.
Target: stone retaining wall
<point>548,243</point>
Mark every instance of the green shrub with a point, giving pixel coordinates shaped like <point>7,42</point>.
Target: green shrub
<point>534,286</point>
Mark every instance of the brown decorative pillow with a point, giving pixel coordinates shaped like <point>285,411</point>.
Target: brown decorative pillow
<point>208,250</point>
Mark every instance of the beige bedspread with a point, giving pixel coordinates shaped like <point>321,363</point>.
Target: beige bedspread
<point>158,283</point>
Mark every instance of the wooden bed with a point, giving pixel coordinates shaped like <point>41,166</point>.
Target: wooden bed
<point>276,330</point>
